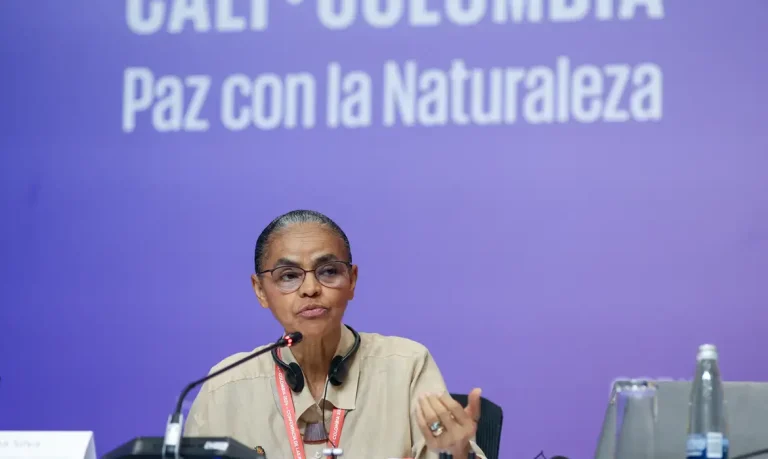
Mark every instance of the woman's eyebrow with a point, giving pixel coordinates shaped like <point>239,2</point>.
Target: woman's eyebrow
<point>286,262</point>
<point>318,260</point>
<point>325,258</point>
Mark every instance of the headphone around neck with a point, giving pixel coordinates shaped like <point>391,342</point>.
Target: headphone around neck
<point>336,372</point>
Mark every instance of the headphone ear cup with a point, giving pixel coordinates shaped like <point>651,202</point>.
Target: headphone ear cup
<point>337,371</point>
<point>294,377</point>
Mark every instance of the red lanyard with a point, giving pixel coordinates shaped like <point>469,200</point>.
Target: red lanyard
<point>291,421</point>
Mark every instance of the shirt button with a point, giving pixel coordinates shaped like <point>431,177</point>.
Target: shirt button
<point>319,455</point>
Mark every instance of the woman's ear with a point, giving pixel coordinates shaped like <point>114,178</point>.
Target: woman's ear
<point>352,281</point>
<point>258,289</point>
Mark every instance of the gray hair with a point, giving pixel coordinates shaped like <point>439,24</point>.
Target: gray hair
<point>292,218</point>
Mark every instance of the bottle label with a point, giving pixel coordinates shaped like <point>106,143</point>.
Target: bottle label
<point>713,445</point>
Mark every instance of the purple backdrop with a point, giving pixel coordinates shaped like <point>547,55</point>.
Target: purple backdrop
<point>602,213</point>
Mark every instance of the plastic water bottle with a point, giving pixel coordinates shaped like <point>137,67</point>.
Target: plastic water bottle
<point>707,424</point>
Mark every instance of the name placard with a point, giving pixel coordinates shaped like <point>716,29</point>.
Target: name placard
<point>47,445</point>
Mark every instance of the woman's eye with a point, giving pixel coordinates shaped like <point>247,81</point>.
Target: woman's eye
<point>329,271</point>
<point>290,275</point>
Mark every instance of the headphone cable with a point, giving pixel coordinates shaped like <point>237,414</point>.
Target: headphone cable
<point>325,400</point>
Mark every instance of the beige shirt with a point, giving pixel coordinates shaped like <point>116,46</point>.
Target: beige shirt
<point>380,395</point>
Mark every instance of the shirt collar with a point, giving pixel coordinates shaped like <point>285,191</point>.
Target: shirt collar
<point>343,396</point>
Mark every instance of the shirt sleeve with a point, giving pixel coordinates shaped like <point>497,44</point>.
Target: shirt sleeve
<point>428,379</point>
<point>197,423</point>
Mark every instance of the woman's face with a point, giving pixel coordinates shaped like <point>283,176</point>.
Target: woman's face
<point>313,307</point>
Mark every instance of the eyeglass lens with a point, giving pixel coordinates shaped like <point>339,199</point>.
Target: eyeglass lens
<point>331,275</point>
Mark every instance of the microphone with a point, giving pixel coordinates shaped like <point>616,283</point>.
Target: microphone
<point>174,428</point>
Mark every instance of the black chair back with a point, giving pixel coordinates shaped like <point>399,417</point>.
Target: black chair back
<point>489,426</point>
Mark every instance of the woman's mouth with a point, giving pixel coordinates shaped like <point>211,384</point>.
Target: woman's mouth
<point>313,312</point>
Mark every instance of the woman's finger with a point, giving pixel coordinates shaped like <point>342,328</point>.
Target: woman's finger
<point>456,410</point>
<point>443,441</point>
<point>430,416</point>
<point>428,437</point>
<point>453,431</point>
<point>447,429</point>
<point>442,412</point>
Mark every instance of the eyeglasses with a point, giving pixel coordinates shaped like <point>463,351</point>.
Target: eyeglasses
<point>288,279</point>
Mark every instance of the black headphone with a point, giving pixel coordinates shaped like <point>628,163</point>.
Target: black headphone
<point>336,373</point>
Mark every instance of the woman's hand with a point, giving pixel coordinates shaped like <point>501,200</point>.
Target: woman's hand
<point>446,425</point>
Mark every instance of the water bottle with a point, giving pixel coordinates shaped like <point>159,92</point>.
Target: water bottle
<point>635,404</point>
<point>707,429</point>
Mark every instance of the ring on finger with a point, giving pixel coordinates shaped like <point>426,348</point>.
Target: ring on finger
<point>437,428</point>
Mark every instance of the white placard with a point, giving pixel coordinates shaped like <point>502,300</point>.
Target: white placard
<point>46,445</point>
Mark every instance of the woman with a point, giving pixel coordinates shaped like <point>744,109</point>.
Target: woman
<point>385,394</point>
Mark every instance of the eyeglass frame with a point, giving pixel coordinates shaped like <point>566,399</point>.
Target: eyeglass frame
<point>348,264</point>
